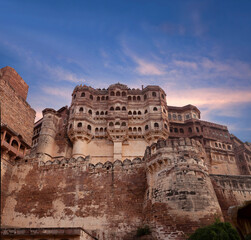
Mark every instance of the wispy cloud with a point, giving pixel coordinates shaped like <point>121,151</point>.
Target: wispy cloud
<point>60,74</point>
<point>61,92</point>
<point>186,64</point>
<point>144,67</point>
<point>148,68</point>
<point>213,101</point>
<point>53,71</point>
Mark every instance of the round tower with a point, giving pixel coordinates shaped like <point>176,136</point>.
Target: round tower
<point>180,195</point>
<point>47,135</point>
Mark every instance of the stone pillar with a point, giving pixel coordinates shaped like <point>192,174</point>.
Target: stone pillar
<point>79,148</point>
<point>3,138</point>
<point>47,135</point>
<point>117,150</point>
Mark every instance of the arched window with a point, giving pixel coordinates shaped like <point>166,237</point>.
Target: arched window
<point>139,112</point>
<point>138,98</point>
<point>89,127</point>
<point>179,117</point>
<point>174,116</point>
<point>156,125</point>
<point>112,93</point>
<point>111,124</point>
<point>90,112</point>
<point>229,147</point>
<point>106,112</point>
<point>91,97</point>
<point>74,96</point>
<point>117,123</point>
<point>79,124</point>
<point>139,129</point>
<point>197,129</point>
<point>98,98</point>
<point>129,98</point>
<point>146,127</point>
<point>103,98</point>
<point>190,130</point>
<point>155,109</point>
<point>82,94</point>
<point>164,110</point>
<point>111,108</point>
<point>171,129</point>
<point>81,109</point>
<point>130,113</point>
<point>70,126</point>
<point>123,94</point>
<point>130,129</point>
<point>154,94</point>
<point>96,129</point>
<point>146,111</point>
<point>134,113</point>
<point>165,126</point>
<point>145,97</point>
<point>117,109</point>
<point>123,124</point>
<point>176,130</point>
<point>134,98</point>
<point>124,108</point>
<point>105,129</point>
<point>162,95</point>
<point>107,98</point>
<point>102,113</point>
<point>117,94</point>
<point>14,144</point>
<point>181,130</point>
<point>101,130</point>
<point>215,144</point>
<point>135,129</point>
<point>97,113</point>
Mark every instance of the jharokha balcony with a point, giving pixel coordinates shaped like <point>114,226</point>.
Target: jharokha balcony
<point>12,143</point>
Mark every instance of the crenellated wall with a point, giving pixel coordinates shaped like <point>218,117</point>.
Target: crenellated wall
<point>105,199</point>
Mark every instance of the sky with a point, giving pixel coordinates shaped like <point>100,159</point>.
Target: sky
<point>199,52</point>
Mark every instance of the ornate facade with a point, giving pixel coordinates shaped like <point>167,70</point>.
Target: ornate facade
<point>118,159</point>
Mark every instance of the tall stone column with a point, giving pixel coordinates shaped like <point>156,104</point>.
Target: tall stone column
<point>47,135</point>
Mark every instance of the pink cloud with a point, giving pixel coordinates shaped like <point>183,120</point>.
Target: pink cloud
<point>224,101</point>
<point>186,64</point>
<point>147,68</point>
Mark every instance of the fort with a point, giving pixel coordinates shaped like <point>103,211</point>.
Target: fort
<point>115,161</point>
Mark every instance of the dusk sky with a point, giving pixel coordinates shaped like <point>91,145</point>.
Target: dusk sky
<point>199,52</point>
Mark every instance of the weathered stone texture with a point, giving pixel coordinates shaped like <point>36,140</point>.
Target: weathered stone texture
<point>6,172</point>
<point>180,194</point>
<point>107,200</point>
<point>10,75</point>
<point>15,111</point>
<point>231,191</point>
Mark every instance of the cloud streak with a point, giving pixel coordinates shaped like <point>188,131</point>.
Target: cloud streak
<point>213,101</point>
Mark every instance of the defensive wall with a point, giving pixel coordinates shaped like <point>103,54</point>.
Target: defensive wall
<point>105,199</point>
<point>170,190</point>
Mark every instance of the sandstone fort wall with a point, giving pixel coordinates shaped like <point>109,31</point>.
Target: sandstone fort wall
<point>105,199</point>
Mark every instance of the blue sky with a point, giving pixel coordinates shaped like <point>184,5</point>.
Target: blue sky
<point>199,52</point>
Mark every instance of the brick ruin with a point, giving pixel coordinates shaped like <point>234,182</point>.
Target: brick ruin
<point>116,160</point>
